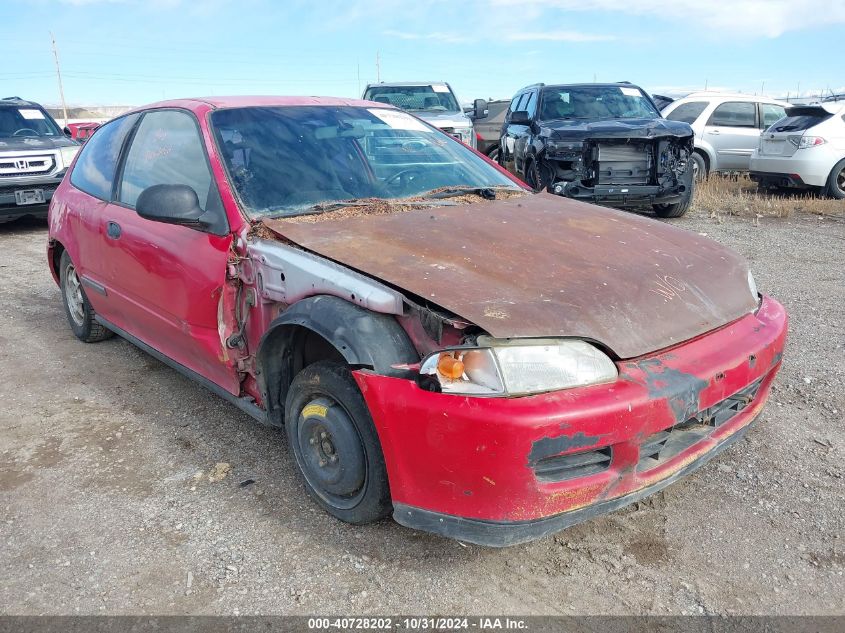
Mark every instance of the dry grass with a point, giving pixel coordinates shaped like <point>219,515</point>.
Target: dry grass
<point>737,195</point>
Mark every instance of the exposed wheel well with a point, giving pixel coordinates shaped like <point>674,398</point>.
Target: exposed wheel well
<point>56,250</point>
<point>285,352</point>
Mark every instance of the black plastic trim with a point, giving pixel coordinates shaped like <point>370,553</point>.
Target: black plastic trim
<point>507,533</point>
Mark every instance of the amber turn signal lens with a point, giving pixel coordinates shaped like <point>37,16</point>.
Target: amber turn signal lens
<point>450,367</point>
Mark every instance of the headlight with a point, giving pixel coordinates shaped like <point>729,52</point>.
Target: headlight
<point>67,154</point>
<point>465,133</point>
<point>564,148</point>
<point>517,368</point>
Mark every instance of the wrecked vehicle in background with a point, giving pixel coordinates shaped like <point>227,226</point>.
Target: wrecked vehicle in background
<point>439,343</point>
<point>603,143</point>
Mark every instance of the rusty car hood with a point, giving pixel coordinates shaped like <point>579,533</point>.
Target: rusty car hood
<point>544,266</point>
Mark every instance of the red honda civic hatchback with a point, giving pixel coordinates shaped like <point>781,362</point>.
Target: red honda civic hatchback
<point>438,342</point>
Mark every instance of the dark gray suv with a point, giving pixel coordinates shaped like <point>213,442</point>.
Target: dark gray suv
<point>34,155</point>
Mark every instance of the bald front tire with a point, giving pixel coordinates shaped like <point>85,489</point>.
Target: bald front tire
<point>335,444</point>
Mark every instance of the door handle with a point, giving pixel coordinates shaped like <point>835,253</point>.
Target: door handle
<point>714,132</point>
<point>113,230</point>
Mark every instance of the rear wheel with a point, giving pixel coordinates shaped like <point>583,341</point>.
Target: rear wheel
<point>334,441</point>
<point>493,154</point>
<point>836,181</point>
<point>80,313</point>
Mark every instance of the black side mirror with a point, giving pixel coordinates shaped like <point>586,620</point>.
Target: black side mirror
<point>520,117</point>
<point>479,109</point>
<point>67,132</point>
<point>173,204</point>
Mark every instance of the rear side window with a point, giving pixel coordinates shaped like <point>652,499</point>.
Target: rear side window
<point>735,114</point>
<point>166,150</point>
<point>799,119</point>
<point>687,112</point>
<point>771,113</point>
<point>94,170</point>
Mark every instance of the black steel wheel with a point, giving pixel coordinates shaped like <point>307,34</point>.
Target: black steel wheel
<point>335,443</point>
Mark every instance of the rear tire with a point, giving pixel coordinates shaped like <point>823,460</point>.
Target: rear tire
<point>836,181</point>
<point>80,314</point>
<point>677,209</point>
<point>335,444</point>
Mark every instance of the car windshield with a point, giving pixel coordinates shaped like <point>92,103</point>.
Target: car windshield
<point>26,121</point>
<point>429,98</point>
<point>284,161</point>
<point>595,102</point>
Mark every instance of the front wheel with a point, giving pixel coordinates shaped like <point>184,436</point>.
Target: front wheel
<point>699,167</point>
<point>677,209</point>
<point>334,441</point>
<point>79,311</point>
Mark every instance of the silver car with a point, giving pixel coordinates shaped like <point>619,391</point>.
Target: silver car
<point>727,127</point>
<point>433,102</point>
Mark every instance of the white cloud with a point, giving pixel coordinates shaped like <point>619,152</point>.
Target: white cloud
<point>452,38</point>
<point>748,18</point>
<point>557,36</point>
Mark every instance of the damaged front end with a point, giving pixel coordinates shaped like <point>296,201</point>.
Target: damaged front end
<point>618,167</point>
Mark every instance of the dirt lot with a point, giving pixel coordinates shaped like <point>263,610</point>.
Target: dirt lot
<point>103,510</point>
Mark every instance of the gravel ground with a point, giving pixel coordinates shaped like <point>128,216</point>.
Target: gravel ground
<point>104,509</point>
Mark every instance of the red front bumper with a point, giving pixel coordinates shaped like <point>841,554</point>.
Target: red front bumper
<point>478,468</point>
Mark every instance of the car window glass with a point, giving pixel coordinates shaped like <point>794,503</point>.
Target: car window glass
<point>167,150</point>
<point>687,112</point>
<point>734,114</point>
<point>93,172</point>
<point>514,103</point>
<point>530,105</point>
<point>771,113</point>
<point>284,160</point>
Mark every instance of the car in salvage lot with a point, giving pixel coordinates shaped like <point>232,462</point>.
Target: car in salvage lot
<point>804,150</point>
<point>726,125</point>
<point>34,156</point>
<point>439,343</point>
<point>603,143</point>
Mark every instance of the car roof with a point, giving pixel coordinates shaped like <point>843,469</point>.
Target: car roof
<point>737,96</point>
<point>388,84</point>
<point>621,84</point>
<point>245,101</point>
<point>17,101</point>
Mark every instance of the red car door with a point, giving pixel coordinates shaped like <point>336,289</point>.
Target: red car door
<point>83,204</point>
<point>167,280</point>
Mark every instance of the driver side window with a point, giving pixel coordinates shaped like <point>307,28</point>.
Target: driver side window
<point>167,150</point>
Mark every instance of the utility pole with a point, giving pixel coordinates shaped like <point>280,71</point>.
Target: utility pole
<point>378,67</point>
<point>359,80</point>
<point>59,75</point>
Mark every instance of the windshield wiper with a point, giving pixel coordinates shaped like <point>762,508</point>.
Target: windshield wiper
<point>488,193</point>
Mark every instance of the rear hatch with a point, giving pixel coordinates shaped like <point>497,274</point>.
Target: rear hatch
<point>783,137</point>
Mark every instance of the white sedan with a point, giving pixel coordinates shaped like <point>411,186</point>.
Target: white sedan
<point>805,149</point>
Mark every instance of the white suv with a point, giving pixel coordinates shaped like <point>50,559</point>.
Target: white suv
<point>805,149</point>
<point>727,127</point>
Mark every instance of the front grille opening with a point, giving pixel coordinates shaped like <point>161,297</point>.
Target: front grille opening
<point>573,465</point>
<point>664,445</point>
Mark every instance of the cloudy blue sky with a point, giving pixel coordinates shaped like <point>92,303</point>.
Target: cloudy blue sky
<point>134,52</point>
